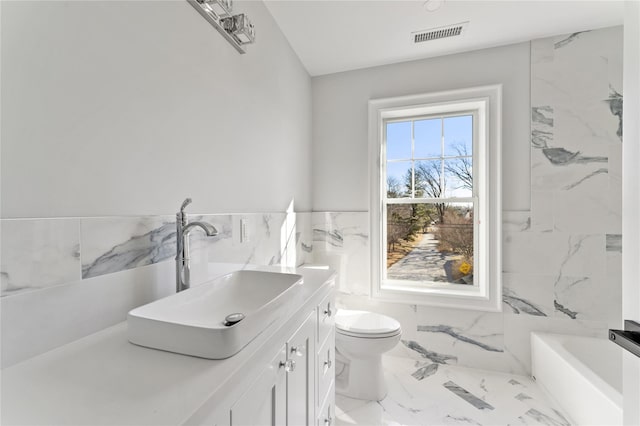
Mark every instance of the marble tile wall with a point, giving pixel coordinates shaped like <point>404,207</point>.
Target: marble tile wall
<point>562,259</point>
<point>341,240</point>
<point>63,279</point>
<point>41,253</point>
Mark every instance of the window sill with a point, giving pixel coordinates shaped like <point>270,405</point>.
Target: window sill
<point>471,297</point>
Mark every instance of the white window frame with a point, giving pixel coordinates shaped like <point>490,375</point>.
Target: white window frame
<point>486,104</point>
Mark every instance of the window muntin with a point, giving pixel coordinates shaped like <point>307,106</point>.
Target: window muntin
<point>429,160</point>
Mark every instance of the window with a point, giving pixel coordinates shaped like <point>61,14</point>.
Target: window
<point>436,198</point>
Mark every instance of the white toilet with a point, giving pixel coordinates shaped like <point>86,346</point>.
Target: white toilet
<point>361,339</point>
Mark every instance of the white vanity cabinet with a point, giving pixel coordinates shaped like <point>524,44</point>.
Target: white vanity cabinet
<point>283,393</point>
<point>296,387</point>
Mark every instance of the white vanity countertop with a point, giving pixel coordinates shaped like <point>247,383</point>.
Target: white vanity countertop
<point>104,379</point>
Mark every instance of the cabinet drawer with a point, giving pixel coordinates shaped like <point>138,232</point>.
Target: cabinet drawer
<point>326,361</point>
<point>326,317</point>
<point>327,414</point>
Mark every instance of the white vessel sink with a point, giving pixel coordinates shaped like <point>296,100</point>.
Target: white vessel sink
<point>192,322</point>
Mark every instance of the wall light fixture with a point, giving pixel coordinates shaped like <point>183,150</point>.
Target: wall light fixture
<point>236,29</point>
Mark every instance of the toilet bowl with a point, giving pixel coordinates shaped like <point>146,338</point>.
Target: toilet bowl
<point>361,339</point>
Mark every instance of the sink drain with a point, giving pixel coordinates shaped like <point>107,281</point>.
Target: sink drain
<point>232,319</point>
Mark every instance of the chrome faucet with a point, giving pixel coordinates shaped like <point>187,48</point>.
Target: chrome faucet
<point>183,229</point>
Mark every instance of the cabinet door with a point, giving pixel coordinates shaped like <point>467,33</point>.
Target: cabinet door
<point>300,388</point>
<point>265,401</point>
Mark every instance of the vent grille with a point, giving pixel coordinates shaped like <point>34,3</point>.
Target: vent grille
<point>437,33</point>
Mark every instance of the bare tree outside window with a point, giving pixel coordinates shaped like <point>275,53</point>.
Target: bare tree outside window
<point>430,184</point>
<point>462,169</point>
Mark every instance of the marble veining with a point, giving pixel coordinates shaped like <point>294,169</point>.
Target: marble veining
<point>516,221</point>
<point>574,243</point>
<point>467,396</point>
<point>571,38</point>
<point>544,419</point>
<point>590,298</point>
<point>333,238</point>
<point>522,397</point>
<point>564,157</point>
<point>266,221</point>
<point>585,178</point>
<point>520,305</point>
<point>615,106</point>
<point>152,247</point>
<point>565,286</point>
<point>461,420</point>
<point>425,371</point>
<point>568,312</point>
<point>448,330</point>
<point>541,126</point>
<point>425,353</point>
<point>542,115</point>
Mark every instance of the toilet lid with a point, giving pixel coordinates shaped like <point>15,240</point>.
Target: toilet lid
<point>365,324</point>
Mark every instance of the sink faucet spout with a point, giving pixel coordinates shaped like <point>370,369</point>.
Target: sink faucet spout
<point>183,229</point>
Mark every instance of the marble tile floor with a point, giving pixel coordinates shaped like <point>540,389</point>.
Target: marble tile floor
<point>422,393</point>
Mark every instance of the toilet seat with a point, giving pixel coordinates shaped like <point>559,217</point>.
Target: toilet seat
<point>366,325</point>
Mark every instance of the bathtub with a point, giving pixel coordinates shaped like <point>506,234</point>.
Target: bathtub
<point>582,374</point>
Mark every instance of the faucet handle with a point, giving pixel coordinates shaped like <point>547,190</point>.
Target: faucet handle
<point>185,203</point>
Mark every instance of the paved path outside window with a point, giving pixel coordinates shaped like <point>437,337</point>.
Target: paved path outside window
<point>423,263</point>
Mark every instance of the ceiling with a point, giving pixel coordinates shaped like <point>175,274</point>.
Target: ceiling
<point>338,35</point>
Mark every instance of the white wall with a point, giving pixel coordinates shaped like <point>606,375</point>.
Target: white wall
<point>340,148</point>
<point>126,108</point>
<point>631,203</point>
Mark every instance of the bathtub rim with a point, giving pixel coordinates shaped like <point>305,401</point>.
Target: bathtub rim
<point>554,343</point>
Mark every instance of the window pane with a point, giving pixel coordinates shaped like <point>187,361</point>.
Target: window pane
<point>428,180</point>
<point>398,179</point>
<point>428,138</point>
<point>430,242</point>
<point>458,135</point>
<point>399,141</point>
<point>458,177</point>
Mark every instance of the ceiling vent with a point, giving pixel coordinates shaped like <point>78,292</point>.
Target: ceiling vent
<point>440,32</point>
